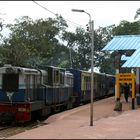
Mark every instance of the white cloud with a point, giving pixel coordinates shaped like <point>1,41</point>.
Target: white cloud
<point>104,13</point>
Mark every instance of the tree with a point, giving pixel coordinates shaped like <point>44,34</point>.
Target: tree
<point>124,28</point>
<point>104,58</point>
<point>70,39</point>
<point>137,13</point>
<point>79,44</point>
<point>82,53</point>
<point>37,44</point>
<point>127,28</point>
<point>1,22</point>
<point>31,42</point>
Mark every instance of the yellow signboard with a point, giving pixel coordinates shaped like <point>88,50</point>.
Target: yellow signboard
<point>125,77</point>
<point>128,78</point>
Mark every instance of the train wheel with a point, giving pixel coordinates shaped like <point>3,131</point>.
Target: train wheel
<point>36,115</point>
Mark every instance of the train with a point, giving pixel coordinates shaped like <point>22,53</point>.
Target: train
<point>29,92</point>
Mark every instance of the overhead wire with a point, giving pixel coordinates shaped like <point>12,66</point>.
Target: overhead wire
<point>44,8</point>
<point>56,14</point>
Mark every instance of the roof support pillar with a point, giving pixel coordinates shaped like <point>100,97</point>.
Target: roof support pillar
<point>137,81</point>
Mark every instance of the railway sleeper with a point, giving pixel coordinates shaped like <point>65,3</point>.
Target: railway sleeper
<point>7,117</point>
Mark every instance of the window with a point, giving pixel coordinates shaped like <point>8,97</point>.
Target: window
<point>56,76</point>
<point>10,82</point>
<point>61,78</point>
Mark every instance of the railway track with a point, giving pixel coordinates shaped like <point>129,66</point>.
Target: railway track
<point>13,129</point>
<point>7,131</point>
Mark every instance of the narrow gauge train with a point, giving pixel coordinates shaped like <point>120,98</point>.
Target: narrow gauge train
<point>26,92</point>
<point>104,85</point>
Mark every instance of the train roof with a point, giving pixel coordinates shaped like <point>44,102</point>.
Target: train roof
<point>68,73</point>
<point>16,69</point>
<point>88,72</point>
<point>84,71</point>
<point>54,67</point>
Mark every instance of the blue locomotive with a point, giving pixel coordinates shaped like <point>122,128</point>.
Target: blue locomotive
<point>26,92</point>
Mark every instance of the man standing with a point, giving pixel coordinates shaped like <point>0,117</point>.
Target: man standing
<point>126,89</point>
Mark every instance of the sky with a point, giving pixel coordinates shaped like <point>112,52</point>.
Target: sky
<point>104,13</point>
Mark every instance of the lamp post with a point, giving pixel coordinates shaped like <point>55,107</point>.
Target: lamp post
<point>91,30</point>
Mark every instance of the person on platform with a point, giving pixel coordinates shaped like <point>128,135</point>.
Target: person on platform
<point>126,89</point>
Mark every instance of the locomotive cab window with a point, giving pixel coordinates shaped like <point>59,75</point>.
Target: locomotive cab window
<point>10,82</point>
<point>56,77</point>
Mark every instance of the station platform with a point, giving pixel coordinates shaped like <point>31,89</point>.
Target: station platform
<point>75,123</point>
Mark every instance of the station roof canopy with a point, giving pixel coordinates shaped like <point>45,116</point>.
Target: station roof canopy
<point>134,60</point>
<point>123,42</point>
<point>126,42</point>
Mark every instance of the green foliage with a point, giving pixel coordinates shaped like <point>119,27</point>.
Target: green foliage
<point>137,13</point>
<point>37,44</point>
<point>124,28</point>
<point>127,28</point>
<point>103,59</point>
<point>82,59</point>
<point>31,42</point>
<point>79,44</point>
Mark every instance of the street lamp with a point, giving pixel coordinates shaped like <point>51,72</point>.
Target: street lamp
<point>91,30</point>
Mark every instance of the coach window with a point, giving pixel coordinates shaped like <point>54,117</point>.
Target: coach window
<point>88,83</point>
<point>61,78</point>
<point>69,80</point>
<point>45,79</point>
<point>27,84</point>
<point>72,81</point>
<point>95,79</point>
<point>56,76</point>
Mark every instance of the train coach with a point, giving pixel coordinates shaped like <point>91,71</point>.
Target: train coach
<point>104,85</point>
<point>26,93</point>
<point>59,88</point>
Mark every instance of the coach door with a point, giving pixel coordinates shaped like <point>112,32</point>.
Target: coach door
<point>27,83</point>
